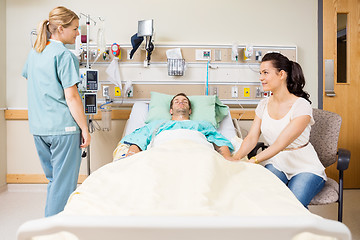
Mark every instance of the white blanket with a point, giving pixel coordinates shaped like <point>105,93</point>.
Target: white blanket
<point>181,177</point>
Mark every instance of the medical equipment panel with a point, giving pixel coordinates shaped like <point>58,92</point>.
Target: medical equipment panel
<point>89,80</point>
<point>90,107</point>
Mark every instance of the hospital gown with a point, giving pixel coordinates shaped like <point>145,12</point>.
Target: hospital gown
<point>143,136</point>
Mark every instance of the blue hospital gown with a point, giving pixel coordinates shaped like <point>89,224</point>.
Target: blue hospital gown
<point>143,136</point>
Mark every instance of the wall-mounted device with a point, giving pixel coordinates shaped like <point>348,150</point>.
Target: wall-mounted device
<point>203,54</point>
<point>89,80</point>
<point>248,52</point>
<point>146,30</point>
<point>90,103</point>
<point>115,49</point>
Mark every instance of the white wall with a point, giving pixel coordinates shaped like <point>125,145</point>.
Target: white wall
<point>261,22</point>
<point>2,94</point>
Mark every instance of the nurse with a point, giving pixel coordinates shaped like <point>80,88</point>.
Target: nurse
<point>56,115</point>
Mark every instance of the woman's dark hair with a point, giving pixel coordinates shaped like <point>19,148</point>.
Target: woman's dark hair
<point>180,94</point>
<point>295,80</point>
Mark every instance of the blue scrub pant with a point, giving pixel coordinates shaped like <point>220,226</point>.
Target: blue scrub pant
<point>60,157</point>
<point>304,185</point>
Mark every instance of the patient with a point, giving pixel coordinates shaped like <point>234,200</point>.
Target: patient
<point>180,110</point>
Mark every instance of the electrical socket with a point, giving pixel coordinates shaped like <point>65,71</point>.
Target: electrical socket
<point>258,93</point>
<point>234,92</point>
<point>128,54</point>
<point>106,92</point>
<point>214,91</point>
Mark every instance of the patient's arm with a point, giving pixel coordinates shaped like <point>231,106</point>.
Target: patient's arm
<point>132,150</point>
<point>224,151</point>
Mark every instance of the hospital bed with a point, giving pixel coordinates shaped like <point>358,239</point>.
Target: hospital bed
<point>281,217</point>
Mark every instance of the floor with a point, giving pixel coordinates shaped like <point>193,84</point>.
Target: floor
<point>13,211</point>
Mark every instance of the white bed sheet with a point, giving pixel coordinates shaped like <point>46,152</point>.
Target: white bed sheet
<point>183,190</point>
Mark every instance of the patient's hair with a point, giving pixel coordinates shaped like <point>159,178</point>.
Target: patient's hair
<point>295,80</point>
<point>59,16</point>
<point>180,94</point>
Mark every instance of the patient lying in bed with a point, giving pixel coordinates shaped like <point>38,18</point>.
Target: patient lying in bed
<point>180,110</point>
<point>180,173</point>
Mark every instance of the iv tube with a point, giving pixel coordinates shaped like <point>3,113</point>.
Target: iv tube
<point>101,44</point>
<point>207,78</point>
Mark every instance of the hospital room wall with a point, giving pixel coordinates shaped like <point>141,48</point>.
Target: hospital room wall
<point>2,95</point>
<point>261,22</point>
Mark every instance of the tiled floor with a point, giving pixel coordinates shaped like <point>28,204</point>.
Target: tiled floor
<point>21,203</point>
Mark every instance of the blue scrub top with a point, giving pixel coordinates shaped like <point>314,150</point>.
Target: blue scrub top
<point>143,136</point>
<point>48,74</point>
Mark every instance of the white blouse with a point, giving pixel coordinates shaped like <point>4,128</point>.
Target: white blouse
<point>295,161</point>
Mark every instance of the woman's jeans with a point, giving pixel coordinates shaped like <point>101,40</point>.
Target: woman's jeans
<point>304,185</point>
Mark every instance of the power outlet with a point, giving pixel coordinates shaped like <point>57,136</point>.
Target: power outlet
<point>258,93</point>
<point>106,92</point>
<point>214,91</point>
<point>128,54</point>
<point>234,92</point>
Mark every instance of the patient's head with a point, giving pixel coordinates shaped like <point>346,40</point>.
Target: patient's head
<point>180,107</point>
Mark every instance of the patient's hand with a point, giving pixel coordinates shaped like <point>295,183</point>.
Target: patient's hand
<point>132,150</point>
<point>230,158</point>
<point>225,152</point>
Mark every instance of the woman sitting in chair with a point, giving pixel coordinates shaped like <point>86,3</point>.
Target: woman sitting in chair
<point>285,120</point>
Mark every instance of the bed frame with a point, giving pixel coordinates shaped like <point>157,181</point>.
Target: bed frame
<point>180,228</point>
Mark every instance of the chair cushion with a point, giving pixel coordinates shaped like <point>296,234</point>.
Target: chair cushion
<point>329,194</point>
<point>325,134</point>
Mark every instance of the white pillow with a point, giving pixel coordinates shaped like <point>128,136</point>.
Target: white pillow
<point>137,117</point>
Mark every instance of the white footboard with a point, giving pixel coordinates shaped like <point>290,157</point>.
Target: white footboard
<point>180,228</point>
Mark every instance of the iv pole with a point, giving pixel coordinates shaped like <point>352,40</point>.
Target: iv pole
<point>88,18</point>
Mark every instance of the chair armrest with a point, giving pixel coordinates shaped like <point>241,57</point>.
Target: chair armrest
<point>256,148</point>
<point>343,159</point>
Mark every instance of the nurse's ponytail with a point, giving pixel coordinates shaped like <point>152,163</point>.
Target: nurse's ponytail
<point>42,36</point>
<point>59,16</point>
<point>295,80</point>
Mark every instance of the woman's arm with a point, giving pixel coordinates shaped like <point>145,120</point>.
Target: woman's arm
<point>250,140</point>
<point>75,105</point>
<point>291,132</point>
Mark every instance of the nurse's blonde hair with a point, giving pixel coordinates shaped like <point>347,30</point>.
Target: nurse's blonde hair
<point>59,16</point>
